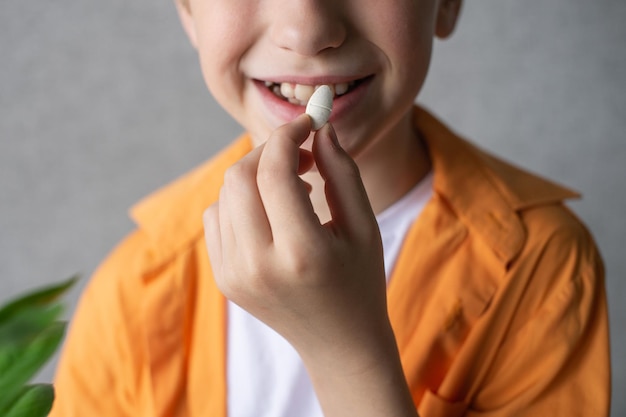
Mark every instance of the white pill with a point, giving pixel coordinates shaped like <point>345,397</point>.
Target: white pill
<point>319,106</point>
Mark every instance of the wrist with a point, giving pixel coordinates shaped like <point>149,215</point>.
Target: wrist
<point>364,378</point>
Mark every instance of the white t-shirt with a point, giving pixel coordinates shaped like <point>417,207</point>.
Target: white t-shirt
<point>265,375</point>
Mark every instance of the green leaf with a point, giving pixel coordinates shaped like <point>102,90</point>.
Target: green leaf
<point>24,363</point>
<point>40,297</point>
<point>30,333</point>
<point>23,328</point>
<point>25,324</point>
<point>34,401</point>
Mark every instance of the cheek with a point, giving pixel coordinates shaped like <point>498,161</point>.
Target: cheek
<point>411,37</point>
<point>407,46</point>
<point>224,34</point>
<point>221,46</point>
<point>403,30</point>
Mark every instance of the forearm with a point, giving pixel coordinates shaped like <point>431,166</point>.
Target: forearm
<point>367,381</point>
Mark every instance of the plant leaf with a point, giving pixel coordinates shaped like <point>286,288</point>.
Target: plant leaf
<point>40,297</point>
<point>25,362</point>
<point>25,324</point>
<point>34,401</point>
<point>30,333</point>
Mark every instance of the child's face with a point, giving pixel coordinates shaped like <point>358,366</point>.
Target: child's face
<point>378,49</point>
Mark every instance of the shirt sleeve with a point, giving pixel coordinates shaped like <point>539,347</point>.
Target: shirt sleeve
<point>555,361</point>
<point>99,372</point>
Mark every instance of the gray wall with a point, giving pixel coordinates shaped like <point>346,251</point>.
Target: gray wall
<point>102,101</point>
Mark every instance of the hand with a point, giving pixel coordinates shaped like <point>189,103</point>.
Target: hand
<point>320,286</point>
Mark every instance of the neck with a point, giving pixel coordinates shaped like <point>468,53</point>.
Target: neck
<point>389,168</point>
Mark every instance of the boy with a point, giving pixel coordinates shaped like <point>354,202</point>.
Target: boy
<point>380,266</point>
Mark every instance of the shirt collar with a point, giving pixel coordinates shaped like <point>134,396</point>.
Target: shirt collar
<point>173,215</point>
<point>484,192</point>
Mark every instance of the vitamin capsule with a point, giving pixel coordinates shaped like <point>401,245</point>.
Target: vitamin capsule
<point>319,106</point>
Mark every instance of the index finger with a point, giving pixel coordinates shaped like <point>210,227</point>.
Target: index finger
<point>284,195</point>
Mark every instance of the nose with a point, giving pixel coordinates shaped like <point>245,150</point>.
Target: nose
<point>307,27</point>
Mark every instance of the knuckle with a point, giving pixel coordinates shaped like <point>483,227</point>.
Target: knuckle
<point>298,262</point>
<point>248,275</point>
<point>267,174</point>
<point>252,269</point>
<point>351,169</point>
<point>370,238</point>
<point>234,175</point>
<point>210,214</point>
<point>223,281</point>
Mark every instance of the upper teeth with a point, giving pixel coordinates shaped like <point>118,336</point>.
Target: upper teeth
<point>301,93</point>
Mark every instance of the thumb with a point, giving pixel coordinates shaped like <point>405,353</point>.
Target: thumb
<point>347,200</point>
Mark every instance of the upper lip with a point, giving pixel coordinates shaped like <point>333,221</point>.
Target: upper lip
<point>312,80</point>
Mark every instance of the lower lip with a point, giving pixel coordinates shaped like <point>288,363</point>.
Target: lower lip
<point>286,111</point>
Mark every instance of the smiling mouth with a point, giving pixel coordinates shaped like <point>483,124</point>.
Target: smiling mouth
<point>299,94</point>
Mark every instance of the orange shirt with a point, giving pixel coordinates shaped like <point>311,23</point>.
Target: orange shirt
<point>497,302</point>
